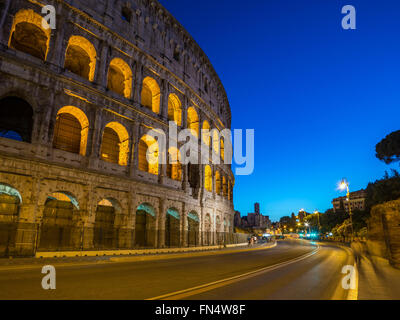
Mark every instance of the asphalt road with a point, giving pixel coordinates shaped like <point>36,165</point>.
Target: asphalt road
<point>291,270</point>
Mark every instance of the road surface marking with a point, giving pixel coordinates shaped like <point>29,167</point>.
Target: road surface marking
<point>224,282</point>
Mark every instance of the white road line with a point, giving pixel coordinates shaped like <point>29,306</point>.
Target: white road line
<point>220,283</point>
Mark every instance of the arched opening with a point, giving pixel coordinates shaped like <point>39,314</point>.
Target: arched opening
<point>119,78</point>
<point>172,228</point>
<point>58,231</point>
<point>215,141</point>
<point>193,121</point>
<point>28,35</point>
<point>224,187</point>
<point>222,145</point>
<point>193,229</point>
<point>208,178</point>
<point>80,57</point>
<point>16,119</point>
<point>174,109</point>
<point>115,144</point>
<point>207,230</point>
<point>148,146</point>
<point>218,183</point>
<point>218,232</point>
<point>151,94</point>
<point>104,233</point>
<point>145,226</point>
<point>174,167</point>
<point>206,137</point>
<point>71,130</point>
<point>10,201</point>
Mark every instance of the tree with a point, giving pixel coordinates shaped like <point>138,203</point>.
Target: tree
<point>388,150</point>
<point>386,189</point>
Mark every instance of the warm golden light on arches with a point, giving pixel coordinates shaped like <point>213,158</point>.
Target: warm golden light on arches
<point>33,18</point>
<point>120,77</point>
<point>151,94</point>
<point>193,121</point>
<point>148,146</point>
<point>123,142</point>
<point>174,109</point>
<point>208,178</point>
<point>83,120</point>
<point>174,168</point>
<point>85,45</point>
<point>206,137</point>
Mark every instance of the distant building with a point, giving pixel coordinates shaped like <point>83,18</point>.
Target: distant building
<point>357,201</point>
<point>252,220</point>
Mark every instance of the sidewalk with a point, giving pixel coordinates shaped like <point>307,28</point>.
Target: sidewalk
<point>145,255</point>
<point>378,280</point>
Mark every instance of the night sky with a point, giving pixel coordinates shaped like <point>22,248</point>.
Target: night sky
<point>319,97</point>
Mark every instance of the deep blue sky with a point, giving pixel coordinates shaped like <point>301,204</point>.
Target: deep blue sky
<point>318,97</point>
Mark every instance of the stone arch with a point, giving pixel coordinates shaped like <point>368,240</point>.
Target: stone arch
<point>215,141</point>
<point>28,35</point>
<point>115,144</point>
<point>193,222</point>
<point>150,96</point>
<point>10,202</point>
<point>224,187</point>
<point>71,130</point>
<point>105,231</point>
<point>16,119</point>
<point>172,228</point>
<point>80,57</point>
<point>205,136</point>
<point>119,78</point>
<point>207,230</point>
<point>208,178</point>
<point>174,109</point>
<point>145,226</point>
<point>60,225</point>
<point>193,121</point>
<point>174,167</point>
<point>222,146</point>
<point>148,155</point>
<point>218,183</point>
<point>218,231</point>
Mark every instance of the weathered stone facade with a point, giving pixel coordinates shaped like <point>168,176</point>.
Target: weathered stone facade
<point>384,232</point>
<point>75,176</point>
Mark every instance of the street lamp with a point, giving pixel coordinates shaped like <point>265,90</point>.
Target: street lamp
<point>344,186</point>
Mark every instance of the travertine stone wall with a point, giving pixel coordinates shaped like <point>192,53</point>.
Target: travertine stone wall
<point>152,44</point>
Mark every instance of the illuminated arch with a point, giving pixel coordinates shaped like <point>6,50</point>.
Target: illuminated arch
<point>28,35</point>
<point>71,130</point>
<point>224,187</point>
<point>206,138</point>
<point>172,228</point>
<point>151,94</point>
<point>80,57</point>
<point>119,78</point>
<point>148,144</point>
<point>174,168</point>
<point>115,144</point>
<point>104,231</point>
<point>218,183</point>
<point>10,191</point>
<point>174,109</point>
<point>193,121</point>
<point>215,141</point>
<point>222,145</point>
<point>208,178</point>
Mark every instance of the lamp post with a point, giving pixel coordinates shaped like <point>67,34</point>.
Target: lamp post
<point>344,185</point>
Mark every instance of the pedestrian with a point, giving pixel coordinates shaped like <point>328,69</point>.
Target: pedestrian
<point>356,246</point>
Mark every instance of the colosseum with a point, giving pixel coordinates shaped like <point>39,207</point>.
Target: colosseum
<point>76,105</point>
